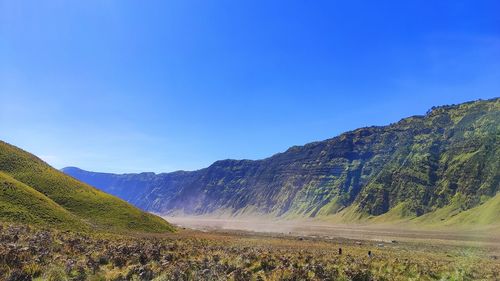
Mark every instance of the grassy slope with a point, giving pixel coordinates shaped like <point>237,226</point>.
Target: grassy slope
<point>21,203</point>
<point>93,207</point>
<point>487,213</point>
<point>483,216</point>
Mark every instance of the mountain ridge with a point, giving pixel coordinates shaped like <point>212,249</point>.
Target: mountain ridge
<point>421,161</point>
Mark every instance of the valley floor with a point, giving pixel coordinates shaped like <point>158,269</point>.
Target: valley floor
<point>471,236</point>
<point>42,254</point>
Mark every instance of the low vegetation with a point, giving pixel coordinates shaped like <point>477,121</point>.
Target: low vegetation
<point>32,253</point>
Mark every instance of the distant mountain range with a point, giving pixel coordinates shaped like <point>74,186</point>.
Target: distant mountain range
<point>32,192</point>
<point>443,166</point>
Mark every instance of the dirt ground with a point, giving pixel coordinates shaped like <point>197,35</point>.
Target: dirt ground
<point>324,230</point>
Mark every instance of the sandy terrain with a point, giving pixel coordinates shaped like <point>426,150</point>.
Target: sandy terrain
<point>324,230</point>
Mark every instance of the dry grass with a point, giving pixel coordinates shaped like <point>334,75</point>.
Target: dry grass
<point>31,253</point>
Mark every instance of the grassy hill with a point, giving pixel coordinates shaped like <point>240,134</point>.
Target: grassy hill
<point>21,203</point>
<point>33,192</point>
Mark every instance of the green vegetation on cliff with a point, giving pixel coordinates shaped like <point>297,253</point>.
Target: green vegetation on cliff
<point>447,159</point>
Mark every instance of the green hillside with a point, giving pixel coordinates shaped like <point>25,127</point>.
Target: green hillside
<point>455,215</point>
<point>33,192</point>
<point>487,213</point>
<point>21,203</point>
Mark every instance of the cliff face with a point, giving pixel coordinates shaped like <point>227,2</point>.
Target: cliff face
<point>420,163</point>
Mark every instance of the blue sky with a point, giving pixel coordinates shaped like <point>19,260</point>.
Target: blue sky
<point>128,86</point>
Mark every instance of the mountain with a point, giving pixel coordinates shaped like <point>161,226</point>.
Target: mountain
<point>448,159</point>
<point>33,192</point>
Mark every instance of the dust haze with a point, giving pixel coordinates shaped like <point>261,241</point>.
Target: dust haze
<point>325,230</point>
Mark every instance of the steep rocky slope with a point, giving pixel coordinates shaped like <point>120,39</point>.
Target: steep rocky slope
<point>415,166</point>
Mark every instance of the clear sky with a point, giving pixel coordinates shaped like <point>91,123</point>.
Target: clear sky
<point>128,86</point>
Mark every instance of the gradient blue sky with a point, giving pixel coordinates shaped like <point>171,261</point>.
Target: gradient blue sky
<point>128,86</point>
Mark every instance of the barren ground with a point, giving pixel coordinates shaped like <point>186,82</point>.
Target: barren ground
<point>325,230</point>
